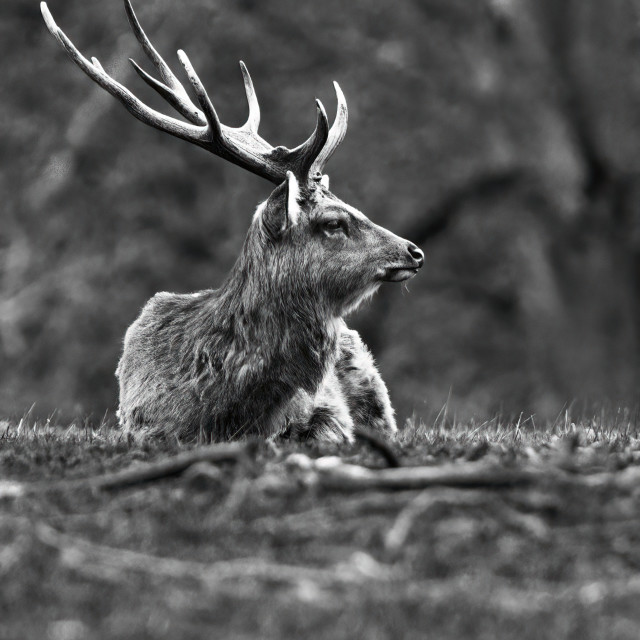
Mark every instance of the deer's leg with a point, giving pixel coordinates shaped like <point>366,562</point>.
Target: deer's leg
<point>320,416</point>
<point>362,386</point>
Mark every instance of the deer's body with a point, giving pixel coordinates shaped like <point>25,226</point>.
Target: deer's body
<point>268,352</point>
<point>234,380</point>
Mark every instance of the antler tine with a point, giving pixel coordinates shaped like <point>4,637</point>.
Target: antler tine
<point>185,108</point>
<point>172,90</point>
<point>203,98</point>
<point>163,68</point>
<point>135,106</point>
<point>253,121</point>
<point>305,155</point>
<point>336,134</point>
<point>96,63</point>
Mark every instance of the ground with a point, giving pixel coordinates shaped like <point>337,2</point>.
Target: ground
<point>252,550</point>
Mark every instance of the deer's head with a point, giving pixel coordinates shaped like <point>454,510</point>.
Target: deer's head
<point>302,228</point>
<point>307,233</point>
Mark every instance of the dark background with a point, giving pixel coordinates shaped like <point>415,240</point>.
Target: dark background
<point>501,136</point>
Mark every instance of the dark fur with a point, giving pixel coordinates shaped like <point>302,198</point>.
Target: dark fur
<point>268,352</point>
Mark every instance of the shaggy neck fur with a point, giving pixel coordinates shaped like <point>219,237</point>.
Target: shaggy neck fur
<point>271,332</point>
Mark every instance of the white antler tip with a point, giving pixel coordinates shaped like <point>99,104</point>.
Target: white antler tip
<point>342,101</point>
<point>48,18</point>
<point>184,61</point>
<point>321,108</point>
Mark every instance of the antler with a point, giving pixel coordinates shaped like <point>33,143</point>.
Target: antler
<point>242,146</point>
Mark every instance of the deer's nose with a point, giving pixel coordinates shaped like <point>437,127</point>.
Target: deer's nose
<point>416,254</point>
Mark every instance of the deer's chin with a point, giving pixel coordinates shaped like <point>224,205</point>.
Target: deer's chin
<point>399,274</point>
<point>354,302</point>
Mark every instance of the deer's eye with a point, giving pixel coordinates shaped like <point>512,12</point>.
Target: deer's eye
<point>334,226</point>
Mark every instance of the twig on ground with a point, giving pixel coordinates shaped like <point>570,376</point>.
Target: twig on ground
<point>349,477</point>
<point>333,474</point>
<point>136,474</point>
<point>379,444</point>
<point>174,465</point>
<point>398,533</point>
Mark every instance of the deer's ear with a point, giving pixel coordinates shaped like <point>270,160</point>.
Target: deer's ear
<point>293,199</point>
<point>282,209</point>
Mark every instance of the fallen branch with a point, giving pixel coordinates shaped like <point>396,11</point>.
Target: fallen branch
<point>136,474</point>
<point>140,473</point>
<point>331,473</point>
<point>379,444</point>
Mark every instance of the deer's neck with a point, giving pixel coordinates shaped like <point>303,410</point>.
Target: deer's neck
<point>273,329</point>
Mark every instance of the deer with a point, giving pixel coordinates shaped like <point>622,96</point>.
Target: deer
<point>268,353</point>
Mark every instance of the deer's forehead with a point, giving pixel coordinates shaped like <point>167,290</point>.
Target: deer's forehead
<point>329,202</point>
<point>358,215</point>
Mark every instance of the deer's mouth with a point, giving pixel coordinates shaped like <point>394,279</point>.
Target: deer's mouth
<point>399,274</point>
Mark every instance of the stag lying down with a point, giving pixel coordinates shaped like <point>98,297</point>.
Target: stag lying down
<point>268,352</point>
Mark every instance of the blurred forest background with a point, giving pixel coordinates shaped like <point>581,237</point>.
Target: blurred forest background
<point>502,136</point>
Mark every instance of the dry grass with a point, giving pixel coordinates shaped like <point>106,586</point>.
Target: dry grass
<point>221,552</point>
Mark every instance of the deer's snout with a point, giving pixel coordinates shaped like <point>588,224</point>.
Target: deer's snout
<point>416,253</point>
<point>406,262</point>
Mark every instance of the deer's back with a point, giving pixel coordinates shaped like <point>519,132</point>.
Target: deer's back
<point>158,391</point>
<point>187,370</point>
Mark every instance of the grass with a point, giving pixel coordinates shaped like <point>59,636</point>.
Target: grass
<point>220,552</point>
